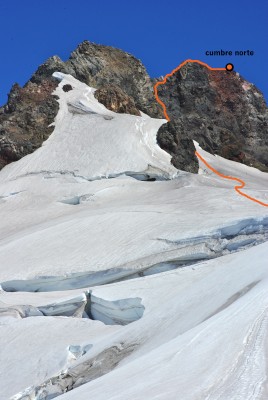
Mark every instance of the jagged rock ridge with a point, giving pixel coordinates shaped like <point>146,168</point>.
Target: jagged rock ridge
<point>220,110</point>
<point>25,119</point>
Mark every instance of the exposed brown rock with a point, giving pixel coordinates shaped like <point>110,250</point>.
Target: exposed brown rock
<point>98,65</point>
<point>114,99</point>
<point>227,115</point>
<point>25,119</point>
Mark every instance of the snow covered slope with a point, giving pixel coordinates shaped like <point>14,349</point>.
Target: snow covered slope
<point>93,142</point>
<point>117,286</point>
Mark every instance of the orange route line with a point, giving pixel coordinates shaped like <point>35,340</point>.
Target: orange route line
<point>242,183</point>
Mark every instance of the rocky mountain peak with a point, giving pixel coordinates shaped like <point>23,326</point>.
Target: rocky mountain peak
<point>25,119</point>
<point>223,112</point>
<point>98,65</point>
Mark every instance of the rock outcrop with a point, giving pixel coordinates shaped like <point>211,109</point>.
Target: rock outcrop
<point>97,65</point>
<point>114,99</point>
<point>25,119</point>
<point>172,138</point>
<point>227,115</point>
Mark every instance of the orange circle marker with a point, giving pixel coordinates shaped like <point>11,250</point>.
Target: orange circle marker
<point>229,67</point>
<point>242,183</point>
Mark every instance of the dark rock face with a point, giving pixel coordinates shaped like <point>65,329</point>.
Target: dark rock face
<point>225,114</point>
<point>46,70</point>
<point>114,99</point>
<point>172,138</point>
<point>25,119</point>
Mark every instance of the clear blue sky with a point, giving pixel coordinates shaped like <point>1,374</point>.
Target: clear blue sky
<point>161,33</point>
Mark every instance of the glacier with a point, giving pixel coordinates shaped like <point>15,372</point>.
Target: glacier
<point>122,277</point>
